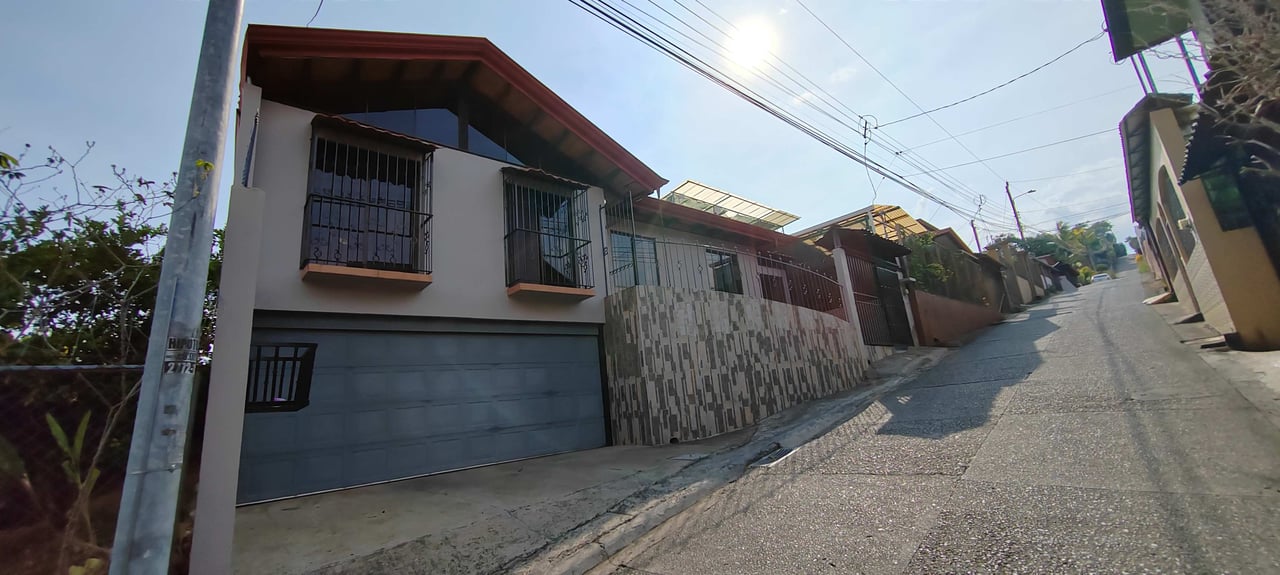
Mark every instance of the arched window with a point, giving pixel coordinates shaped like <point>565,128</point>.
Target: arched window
<point>1177,213</point>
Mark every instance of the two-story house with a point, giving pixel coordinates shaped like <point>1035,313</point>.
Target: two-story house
<point>433,262</point>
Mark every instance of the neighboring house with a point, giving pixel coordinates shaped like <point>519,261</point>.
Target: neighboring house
<point>433,262</point>
<point>889,222</point>
<point>1200,235</point>
<point>946,238</point>
<point>714,323</point>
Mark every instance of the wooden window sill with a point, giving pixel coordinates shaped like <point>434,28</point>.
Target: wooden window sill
<point>541,290</point>
<point>331,274</point>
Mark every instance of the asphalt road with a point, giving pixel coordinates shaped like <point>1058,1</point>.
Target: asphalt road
<point>1078,437</point>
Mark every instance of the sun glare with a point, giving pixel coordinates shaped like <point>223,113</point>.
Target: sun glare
<point>751,43</point>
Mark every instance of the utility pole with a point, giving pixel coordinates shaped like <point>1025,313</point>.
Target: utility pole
<point>148,506</point>
<point>977,243</point>
<point>1017,219</point>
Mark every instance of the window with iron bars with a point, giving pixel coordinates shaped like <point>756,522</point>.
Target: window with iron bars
<point>726,275</point>
<point>368,205</point>
<point>635,260</point>
<point>547,231</point>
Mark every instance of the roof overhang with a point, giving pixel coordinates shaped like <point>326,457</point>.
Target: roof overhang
<point>1135,137</point>
<point>1219,139</point>
<point>345,71</point>
<point>951,233</point>
<point>349,126</point>
<point>861,240</point>
<point>885,216</point>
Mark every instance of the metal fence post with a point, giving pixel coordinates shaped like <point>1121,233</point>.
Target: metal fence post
<point>148,507</point>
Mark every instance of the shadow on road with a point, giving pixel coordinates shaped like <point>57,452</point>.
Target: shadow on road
<point>967,385</point>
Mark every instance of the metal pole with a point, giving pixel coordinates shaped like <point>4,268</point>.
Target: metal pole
<point>1145,70</point>
<point>1191,67</point>
<point>148,506</point>
<point>1015,212</point>
<point>1139,74</point>
<point>977,243</point>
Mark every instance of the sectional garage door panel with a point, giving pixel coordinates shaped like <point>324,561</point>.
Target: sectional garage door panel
<point>389,405</point>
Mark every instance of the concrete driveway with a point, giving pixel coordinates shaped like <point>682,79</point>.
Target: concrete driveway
<point>469,521</point>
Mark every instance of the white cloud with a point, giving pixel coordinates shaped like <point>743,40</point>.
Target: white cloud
<point>782,11</point>
<point>803,97</point>
<point>842,74</point>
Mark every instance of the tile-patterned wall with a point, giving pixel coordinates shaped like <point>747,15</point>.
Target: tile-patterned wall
<point>687,365</point>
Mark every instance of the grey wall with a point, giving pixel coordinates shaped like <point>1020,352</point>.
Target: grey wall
<point>467,239</point>
<point>689,365</point>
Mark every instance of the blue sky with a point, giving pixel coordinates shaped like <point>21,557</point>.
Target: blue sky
<point>120,73</point>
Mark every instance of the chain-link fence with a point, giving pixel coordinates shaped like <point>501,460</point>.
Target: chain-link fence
<point>64,447</point>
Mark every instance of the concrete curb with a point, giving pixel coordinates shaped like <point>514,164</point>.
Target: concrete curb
<point>597,541</point>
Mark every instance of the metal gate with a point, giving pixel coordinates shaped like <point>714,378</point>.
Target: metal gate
<point>895,307</point>
<point>878,298</point>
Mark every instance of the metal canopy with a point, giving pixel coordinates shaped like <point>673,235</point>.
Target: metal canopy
<point>886,218</point>
<point>707,199</point>
<point>1136,25</point>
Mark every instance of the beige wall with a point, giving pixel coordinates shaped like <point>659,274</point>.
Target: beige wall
<point>468,267</point>
<point>1173,262</point>
<point>1234,282</point>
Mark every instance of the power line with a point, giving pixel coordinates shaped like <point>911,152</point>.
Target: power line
<point>1023,151</point>
<point>894,147</point>
<point>772,81</point>
<point>1060,176</point>
<point>624,22</point>
<point>1071,205</point>
<point>1025,116</point>
<point>1081,213</point>
<point>313,16</point>
<point>998,86</point>
<point>895,87</point>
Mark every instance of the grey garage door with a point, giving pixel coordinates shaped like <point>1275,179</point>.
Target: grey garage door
<point>390,405</point>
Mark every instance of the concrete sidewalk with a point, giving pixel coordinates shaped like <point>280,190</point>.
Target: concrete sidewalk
<point>539,515</point>
<point>469,521</point>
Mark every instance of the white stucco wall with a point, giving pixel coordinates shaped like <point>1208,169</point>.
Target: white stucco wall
<point>467,239</point>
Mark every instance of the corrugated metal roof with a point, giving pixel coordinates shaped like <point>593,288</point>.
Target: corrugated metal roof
<point>887,220</point>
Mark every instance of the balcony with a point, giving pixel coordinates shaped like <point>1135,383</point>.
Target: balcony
<point>347,241</point>
<point>548,264</point>
<point>686,267</point>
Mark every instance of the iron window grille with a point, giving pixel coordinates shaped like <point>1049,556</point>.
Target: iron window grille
<point>725,272</point>
<point>279,377</point>
<point>634,260</point>
<point>368,205</point>
<point>547,231</point>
